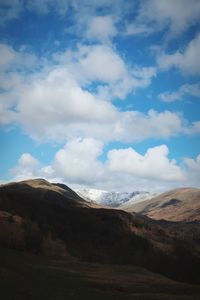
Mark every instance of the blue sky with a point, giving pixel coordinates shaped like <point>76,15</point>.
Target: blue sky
<point>101,93</point>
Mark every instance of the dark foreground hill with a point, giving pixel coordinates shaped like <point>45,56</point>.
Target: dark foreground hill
<point>24,276</point>
<point>50,219</point>
<point>181,204</point>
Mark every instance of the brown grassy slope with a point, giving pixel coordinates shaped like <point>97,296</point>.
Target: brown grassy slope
<point>61,221</point>
<point>53,193</point>
<point>24,276</point>
<point>181,204</point>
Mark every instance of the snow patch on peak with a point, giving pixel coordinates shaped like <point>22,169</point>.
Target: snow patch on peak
<point>112,199</point>
<point>90,194</point>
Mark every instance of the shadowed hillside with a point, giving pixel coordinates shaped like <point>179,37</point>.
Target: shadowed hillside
<point>51,220</point>
<point>24,276</point>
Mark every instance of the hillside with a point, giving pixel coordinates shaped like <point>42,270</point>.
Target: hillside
<point>50,219</point>
<point>177,205</point>
<point>43,191</point>
<point>24,276</point>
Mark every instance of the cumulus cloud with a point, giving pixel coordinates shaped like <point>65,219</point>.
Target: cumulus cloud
<point>55,103</point>
<point>52,101</point>
<point>103,65</point>
<point>78,164</point>
<point>8,55</point>
<point>14,66</point>
<point>11,59</point>
<point>57,108</point>
<point>48,106</point>
<point>27,167</point>
<point>154,164</point>
<point>69,97</point>
<point>151,15</point>
<point>101,28</point>
<point>184,90</point>
<point>193,164</point>
<point>187,61</point>
<point>156,15</point>
<point>77,161</point>
<point>150,125</point>
<point>193,167</point>
<point>80,11</point>
<point>194,129</point>
<point>137,78</point>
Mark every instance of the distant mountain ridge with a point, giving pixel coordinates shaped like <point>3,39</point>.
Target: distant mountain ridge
<point>112,199</point>
<point>181,204</point>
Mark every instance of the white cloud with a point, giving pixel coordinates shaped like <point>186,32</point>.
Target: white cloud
<point>101,28</point>
<point>187,61</point>
<point>12,59</point>
<point>13,68</point>
<point>78,164</point>
<point>138,29</point>
<point>53,103</point>
<point>12,9</point>
<point>193,167</point>
<point>137,78</point>
<point>85,9</point>
<point>26,168</point>
<point>68,98</point>
<point>77,161</point>
<point>193,164</point>
<point>152,15</point>
<point>184,90</point>
<point>57,108</point>
<point>154,164</point>
<point>151,125</point>
<point>194,129</point>
<point>29,167</point>
<point>103,65</point>
<point>8,55</point>
<point>156,15</point>
<point>94,63</point>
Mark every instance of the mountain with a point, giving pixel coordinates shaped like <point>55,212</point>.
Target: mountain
<point>137,199</point>
<point>111,199</point>
<point>181,204</point>
<point>41,190</point>
<point>51,220</point>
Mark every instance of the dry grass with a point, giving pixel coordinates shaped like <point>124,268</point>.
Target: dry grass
<point>25,276</point>
<point>177,205</point>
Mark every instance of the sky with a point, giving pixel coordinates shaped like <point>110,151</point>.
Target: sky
<point>101,94</point>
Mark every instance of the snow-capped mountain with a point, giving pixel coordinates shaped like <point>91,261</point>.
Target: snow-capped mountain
<point>112,199</point>
<point>136,199</point>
